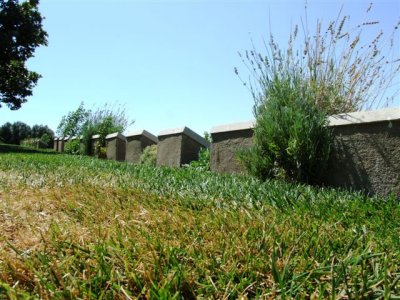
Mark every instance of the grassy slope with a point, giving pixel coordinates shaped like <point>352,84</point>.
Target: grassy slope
<point>80,227</point>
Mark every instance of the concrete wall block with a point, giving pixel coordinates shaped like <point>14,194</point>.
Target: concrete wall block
<point>55,144</point>
<point>225,147</point>
<point>135,144</point>
<point>116,146</point>
<point>366,156</point>
<point>61,143</point>
<point>169,150</point>
<point>227,140</point>
<point>179,146</point>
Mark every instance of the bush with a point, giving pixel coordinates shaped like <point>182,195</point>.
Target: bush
<point>291,137</point>
<point>86,123</point>
<point>72,147</point>
<point>47,140</point>
<point>329,71</point>
<point>347,67</point>
<point>203,163</point>
<point>149,156</point>
<point>33,143</point>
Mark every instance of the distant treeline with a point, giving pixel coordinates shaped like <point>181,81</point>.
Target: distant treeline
<point>20,133</point>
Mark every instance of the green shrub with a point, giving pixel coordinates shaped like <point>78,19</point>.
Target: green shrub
<point>333,69</point>
<point>72,147</point>
<point>347,66</point>
<point>86,123</point>
<point>47,140</point>
<point>100,151</point>
<point>33,143</point>
<point>149,156</point>
<point>291,137</point>
<point>203,163</point>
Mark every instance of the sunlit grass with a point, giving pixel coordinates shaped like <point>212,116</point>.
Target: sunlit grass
<point>77,227</point>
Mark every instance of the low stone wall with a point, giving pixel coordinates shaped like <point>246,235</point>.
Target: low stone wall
<point>135,144</point>
<point>227,140</point>
<point>366,153</point>
<point>179,146</point>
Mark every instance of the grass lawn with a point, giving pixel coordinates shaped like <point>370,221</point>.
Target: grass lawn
<point>78,227</point>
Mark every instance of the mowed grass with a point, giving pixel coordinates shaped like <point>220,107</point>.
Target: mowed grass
<point>78,227</point>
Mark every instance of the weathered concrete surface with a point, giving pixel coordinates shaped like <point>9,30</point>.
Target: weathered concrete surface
<point>116,146</point>
<point>227,140</point>
<point>366,157</point>
<point>55,144</point>
<point>179,146</point>
<point>359,117</point>
<point>135,144</point>
<point>366,154</point>
<point>169,150</point>
<point>61,143</point>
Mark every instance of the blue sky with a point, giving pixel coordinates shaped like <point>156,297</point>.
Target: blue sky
<point>169,62</point>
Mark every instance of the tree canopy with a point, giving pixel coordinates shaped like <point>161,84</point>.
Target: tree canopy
<point>21,33</point>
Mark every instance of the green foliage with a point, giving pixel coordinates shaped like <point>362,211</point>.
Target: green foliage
<point>135,231</point>
<point>203,163</point>
<point>99,150</point>
<point>47,139</point>
<point>106,126</point>
<point>18,131</point>
<point>6,133</point>
<point>86,123</point>
<point>33,143</point>
<point>149,156</point>
<point>72,146</point>
<point>45,134</point>
<point>344,69</point>
<point>20,34</point>
<point>72,123</point>
<point>291,136</point>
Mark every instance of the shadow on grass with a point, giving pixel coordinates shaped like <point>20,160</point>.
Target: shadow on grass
<point>6,148</point>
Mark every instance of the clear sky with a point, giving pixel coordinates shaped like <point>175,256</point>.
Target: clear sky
<point>169,62</point>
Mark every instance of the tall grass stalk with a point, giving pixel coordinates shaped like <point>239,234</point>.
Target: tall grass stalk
<point>344,71</point>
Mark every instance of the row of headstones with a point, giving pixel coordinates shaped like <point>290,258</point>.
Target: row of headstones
<point>175,147</point>
<point>366,154</point>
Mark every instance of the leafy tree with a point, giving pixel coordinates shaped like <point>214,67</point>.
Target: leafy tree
<point>39,130</point>
<point>20,34</point>
<point>6,133</point>
<point>20,131</point>
<point>72,123</point>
